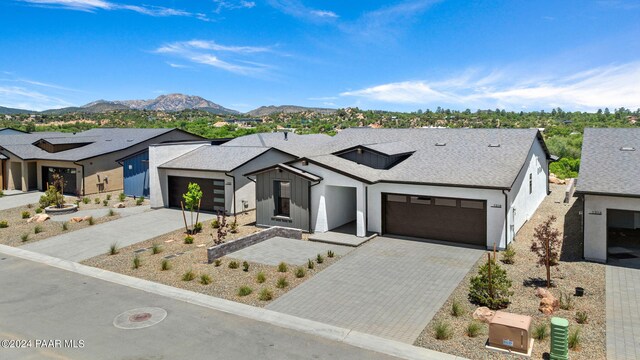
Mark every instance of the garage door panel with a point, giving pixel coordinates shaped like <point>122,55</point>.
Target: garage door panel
<point>212,192</point>
<point>418,216</point>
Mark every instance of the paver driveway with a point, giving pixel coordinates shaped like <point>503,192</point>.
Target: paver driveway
<point>387,287</point>
<point>623,313</point>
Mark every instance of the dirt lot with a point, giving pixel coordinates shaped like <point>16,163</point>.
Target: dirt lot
<point>18,227</point>
<point>526,276</point>
<point>225,281</point>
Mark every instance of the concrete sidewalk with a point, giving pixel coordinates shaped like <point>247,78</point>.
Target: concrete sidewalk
<point>94,240</point>
<point>8,202</point>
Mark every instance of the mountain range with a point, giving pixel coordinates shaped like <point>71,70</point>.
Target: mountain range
<point>169,103</point>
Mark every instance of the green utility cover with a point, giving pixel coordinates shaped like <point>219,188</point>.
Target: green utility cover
<point>556,321</point>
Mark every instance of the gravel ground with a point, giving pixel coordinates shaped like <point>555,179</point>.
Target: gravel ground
<point>18,226</point>
<point>225,281</point>
<point>571,272</point>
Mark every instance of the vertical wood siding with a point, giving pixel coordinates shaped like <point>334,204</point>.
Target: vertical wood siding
<point>265,202</point>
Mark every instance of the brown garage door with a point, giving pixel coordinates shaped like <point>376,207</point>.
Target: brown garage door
<point>212,192</point>
<point>436,218</point>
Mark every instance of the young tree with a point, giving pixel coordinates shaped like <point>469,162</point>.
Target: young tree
<point>192,199</point>
<point>546,244</point>
<point>491,287</point>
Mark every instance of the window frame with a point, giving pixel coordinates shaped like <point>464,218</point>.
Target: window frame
<point>279,209</point>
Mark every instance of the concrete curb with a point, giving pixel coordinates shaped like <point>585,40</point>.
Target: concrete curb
<point>354,338</point>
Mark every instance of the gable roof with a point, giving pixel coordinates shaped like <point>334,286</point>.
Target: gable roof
<point>463,157</point>
<point>100,141</point>
<point>215,158</point>
<point>299,145</point>
<point>607,169</point>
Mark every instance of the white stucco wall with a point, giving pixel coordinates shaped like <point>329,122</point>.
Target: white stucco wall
<point>158,155</point>
<point>595,222</point>
<point>524,203</point>
<point>494,198</point>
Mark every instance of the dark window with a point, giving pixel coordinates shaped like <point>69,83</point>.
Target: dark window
<point>530,183</point>
<point>283,197</point>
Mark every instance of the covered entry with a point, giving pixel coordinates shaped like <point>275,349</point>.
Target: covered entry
<point>68,175</point>
<point>212,192</point>
<point>623,235</point>
<point>435,218</point>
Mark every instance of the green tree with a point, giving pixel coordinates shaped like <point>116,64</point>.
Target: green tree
<point>192,199</point>
<point>491,287</point>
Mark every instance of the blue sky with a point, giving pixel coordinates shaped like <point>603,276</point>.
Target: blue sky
<point>393,55</point>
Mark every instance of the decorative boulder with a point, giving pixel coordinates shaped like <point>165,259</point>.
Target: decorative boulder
<point>542,293</point>
<point>119,205</point>
<point>86,218</point>
<point>483,314</point>
<point>39,218</point>
<point>76,219</point>
<point>548,303</point>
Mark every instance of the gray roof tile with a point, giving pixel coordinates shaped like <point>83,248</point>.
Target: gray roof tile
<point>215,158</point>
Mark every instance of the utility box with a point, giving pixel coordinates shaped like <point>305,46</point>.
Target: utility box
<point>511,332</point>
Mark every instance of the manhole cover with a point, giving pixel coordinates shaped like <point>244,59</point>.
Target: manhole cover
<point>139,318</point>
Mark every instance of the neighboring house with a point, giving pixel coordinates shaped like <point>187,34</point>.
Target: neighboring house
<point>609,184</point>
<point>220,169</point>
<point>10,131</point>
<point>86,160</point>
<point>470,186</point>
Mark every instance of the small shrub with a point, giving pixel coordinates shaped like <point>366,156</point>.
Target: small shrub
<point>330,254</point>
<point>166,265</point>
<point>188,276</point>
<point>113,249</point>
<point>91,220</point>
<point>442,330</point>
<point>38,210</point>
<point>156,249</point>
<point>111,212</point>
<point>319,259</point>
<point>25,214</point>
<point>217,262</point>
<point>233,227</point>
<point>188,239</point>
<point>96,201</point>
<point>215,224</point>
<point>51,197</point>
<point>105,203</point>
<point>65,226</point>
<point>574,339</point>
<point>108,197</point>
<point>282,267</point>
<point>86,200</point>
<point>265,295</point>
<point>136,262</point>
<point>473,329</point>
<point>197,227</point>
<point>300,273</point>
<point>29,206</point>
<point>122,197</point>
<point>261,277</point>
<point>540,331</point>
<point>582,317</point>
<point>310,264</point>
<point>4,224</point>
<point>244,291</point>
<point>282,282</point>
<point>233,265</point>
<point>566,301</point>
<point>24,237</point>
<point>205,279</point>
<point>456,308</point>
<point>493,294</point>
<point>245,266</point>
<point>139,201</point>
<point>508,255</point>
<point>37,229</point>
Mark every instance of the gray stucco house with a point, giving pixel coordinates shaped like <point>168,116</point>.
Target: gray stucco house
<point>609,184</point>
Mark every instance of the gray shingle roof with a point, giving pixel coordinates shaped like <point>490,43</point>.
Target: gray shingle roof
<point>299,145</point>
<point>604,168</point>
<point>214,158</point>
<point>465,160</point>
<point>391,148</point>
<point>105,140</point>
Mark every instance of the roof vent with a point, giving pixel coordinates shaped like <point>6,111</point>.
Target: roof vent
<point>108,139</point>
<point>359,150</point>
<point>494,145</point>
<point>627,148</point>
<point>441,144</point>
<point>129,140</point>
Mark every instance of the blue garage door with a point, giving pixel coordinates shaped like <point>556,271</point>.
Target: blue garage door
<point>136,175</point>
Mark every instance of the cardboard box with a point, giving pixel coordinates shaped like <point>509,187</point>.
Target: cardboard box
<point>510,332</point>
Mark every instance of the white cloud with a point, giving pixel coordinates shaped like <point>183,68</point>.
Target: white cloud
<point>23,98</point>
<point>324,13</point>
<point>297,9</point>
<point>209,53</point>
<point>613,85</point>
<point>93,5</point>
<point>233,5</point>
<point>323,98</point>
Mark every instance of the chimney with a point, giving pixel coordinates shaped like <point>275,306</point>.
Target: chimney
<point>286,136</point>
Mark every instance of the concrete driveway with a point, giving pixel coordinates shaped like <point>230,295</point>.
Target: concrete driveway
<point>387,287</point>
<point>22,199</point>
<point>623,313</point>
<point>94,240</point>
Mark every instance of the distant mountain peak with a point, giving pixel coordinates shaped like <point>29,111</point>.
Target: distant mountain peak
<point>167,102</point>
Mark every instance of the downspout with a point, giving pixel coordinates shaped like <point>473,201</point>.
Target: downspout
<point>83,188</point>
<point>310,207</point>
<point>366,210</point>
<point>233,179</point>
<point>506,218</point>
